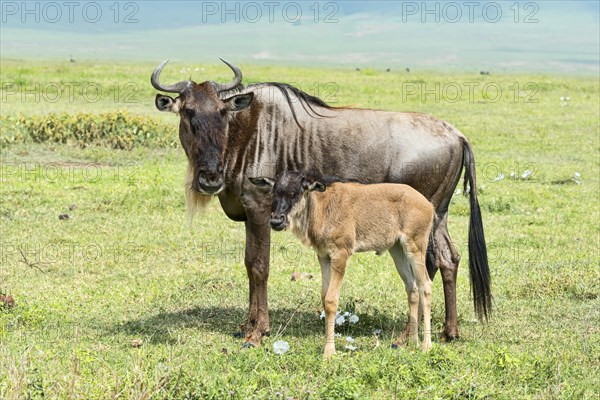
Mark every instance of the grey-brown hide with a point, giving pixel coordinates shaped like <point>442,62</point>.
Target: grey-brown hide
<point>273,127</point>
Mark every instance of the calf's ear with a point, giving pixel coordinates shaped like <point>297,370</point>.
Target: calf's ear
<point>262,182</point>
<point>316,186</point>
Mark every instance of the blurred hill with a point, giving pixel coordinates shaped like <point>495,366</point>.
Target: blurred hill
<point>544,36</point>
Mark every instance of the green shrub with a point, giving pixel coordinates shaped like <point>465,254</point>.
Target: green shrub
<point>118,130</point>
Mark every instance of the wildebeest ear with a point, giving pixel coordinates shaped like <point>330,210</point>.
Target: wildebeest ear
<point>262,182</point>
<point>239,101</point>
<point>316,186</point>
<point>166,103</point>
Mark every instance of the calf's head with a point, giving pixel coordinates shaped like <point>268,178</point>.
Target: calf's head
<point>289,194</point>
<point>203,126</point>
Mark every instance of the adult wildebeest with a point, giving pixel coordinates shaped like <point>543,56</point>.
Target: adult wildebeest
<point>338,219</point>
<point>230,132</point>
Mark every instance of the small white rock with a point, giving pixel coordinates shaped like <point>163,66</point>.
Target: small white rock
<point>281,347</point>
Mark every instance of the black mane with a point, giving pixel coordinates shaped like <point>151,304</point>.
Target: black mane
<point>306,100</point>
<point>327,180</point>
<point>331,179</point>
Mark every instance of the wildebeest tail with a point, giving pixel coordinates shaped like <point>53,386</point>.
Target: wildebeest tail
<point>478,261</point>
<point>430,257</point>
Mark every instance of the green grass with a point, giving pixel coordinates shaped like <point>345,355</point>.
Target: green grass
<point>127,266</point>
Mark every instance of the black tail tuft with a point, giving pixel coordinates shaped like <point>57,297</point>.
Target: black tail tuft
<point>478,261</point>
<point>430,257</point>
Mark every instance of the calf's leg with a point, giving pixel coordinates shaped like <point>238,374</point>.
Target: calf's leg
<point>331,298</point>
<point>424,286</point>
<point>325,263</point>
<point>425,295</point>
<point>404,269</point>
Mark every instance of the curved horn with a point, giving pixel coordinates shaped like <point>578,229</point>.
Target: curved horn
<point>222,87</point>
<point>178,87</point>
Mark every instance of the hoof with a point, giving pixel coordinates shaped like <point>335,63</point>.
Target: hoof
<point>248,345</point>
<point>394,346</point>
<point>238,335</point>
<point>449,337</point>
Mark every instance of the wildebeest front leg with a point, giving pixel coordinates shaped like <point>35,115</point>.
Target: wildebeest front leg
<point>258,239</point>
<point>247,326</point>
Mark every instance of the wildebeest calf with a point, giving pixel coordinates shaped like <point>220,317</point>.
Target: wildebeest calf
<point>351,217</point>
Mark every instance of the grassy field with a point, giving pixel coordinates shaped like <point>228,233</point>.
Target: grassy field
<point>126,300</point>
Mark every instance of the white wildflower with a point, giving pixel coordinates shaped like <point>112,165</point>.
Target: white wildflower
<point>350,347</point>
<point>526,174</point>
<point>499,177</point>
<point>281,347</point>
<point>340,320</point>
<point>353,319</point>
<point>349,339</point>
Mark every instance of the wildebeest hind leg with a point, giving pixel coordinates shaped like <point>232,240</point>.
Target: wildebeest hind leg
<point>447,260</point>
